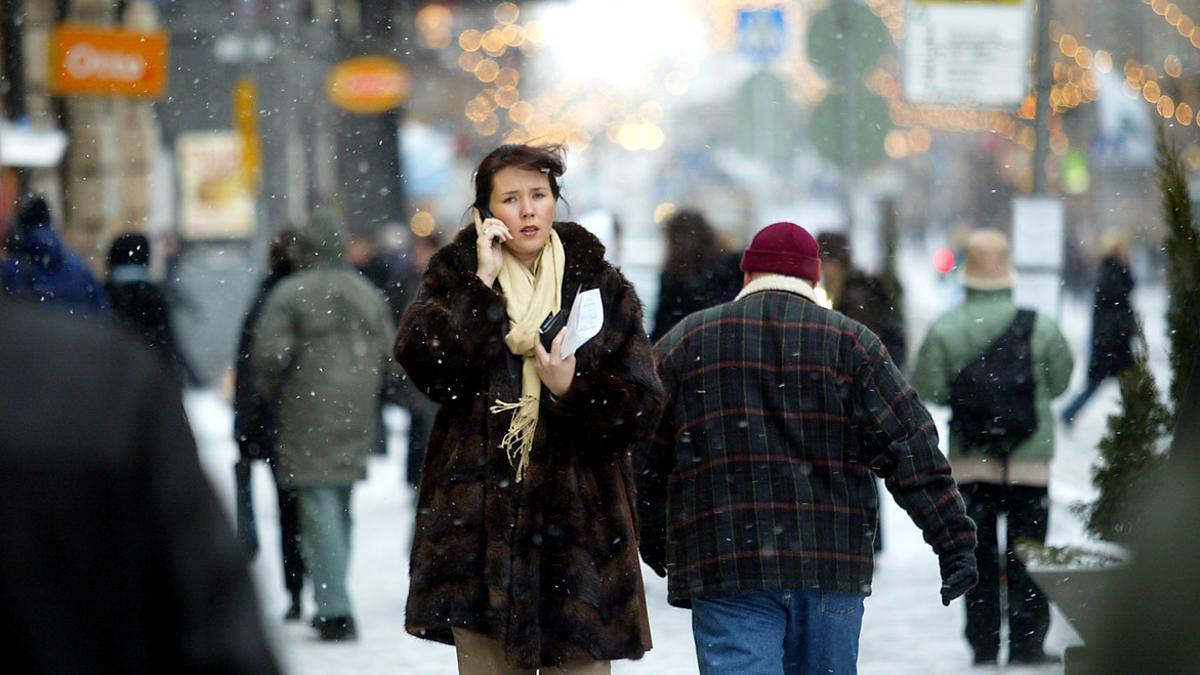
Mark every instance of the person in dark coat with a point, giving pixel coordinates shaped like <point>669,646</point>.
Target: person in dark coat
<point>1114,324</point>
<point>139,304</point>
<point>866,298</point>
<point>525,553</point>
<point>42,269</point>
<point>757,497</point>
<point>697,273</point>
<point>256,426</point>
<point>115,554</point>
<point>421,409</point>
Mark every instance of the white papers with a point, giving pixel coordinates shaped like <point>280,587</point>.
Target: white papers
<point>585,321</point>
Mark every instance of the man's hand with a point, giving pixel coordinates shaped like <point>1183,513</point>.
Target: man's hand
<point>959,574</point>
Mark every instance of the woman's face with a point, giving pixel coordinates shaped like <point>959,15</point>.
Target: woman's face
<point>523,200</point>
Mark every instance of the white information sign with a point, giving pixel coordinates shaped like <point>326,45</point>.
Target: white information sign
<point>1037,253</point>
<point>1037,233</point>
<point>967,52</point>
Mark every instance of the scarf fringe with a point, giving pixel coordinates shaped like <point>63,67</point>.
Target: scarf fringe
<point>518,441</point>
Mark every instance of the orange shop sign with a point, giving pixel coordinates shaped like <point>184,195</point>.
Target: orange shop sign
<point>103,62</point>
<point>368,85</point>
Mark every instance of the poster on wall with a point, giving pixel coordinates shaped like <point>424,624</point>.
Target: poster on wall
<point>215,201</point>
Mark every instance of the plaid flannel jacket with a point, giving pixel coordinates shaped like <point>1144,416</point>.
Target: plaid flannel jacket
<point>777,413</point>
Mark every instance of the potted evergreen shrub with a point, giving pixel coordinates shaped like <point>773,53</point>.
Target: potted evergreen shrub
<point>1135,445</point>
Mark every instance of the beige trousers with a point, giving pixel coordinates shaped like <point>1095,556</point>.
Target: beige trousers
<point>479,655</point>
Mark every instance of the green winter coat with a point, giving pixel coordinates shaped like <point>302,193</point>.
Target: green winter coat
<point>963,333</point>
<point>322,349</point>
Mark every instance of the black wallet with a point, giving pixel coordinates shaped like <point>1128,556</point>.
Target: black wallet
<point>553,323</point>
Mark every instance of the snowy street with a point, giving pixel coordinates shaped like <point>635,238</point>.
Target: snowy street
<point>905,631</point>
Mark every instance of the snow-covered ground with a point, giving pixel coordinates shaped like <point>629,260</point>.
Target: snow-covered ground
<point>906,629</point>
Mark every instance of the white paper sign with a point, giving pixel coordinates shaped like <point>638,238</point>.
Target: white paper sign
<point>967,53</point>
<point>585,321</point>
<point>1037,233</point>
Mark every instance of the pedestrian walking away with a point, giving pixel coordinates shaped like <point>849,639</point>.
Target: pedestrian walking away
<point>525,553</point>
<point>697,273</point>
<point>256,429</point>
<point>321,350</point>
<point>139,304</point>
<point>990,362</point>
<point>757,496</point>
<point>40,268</point>
<point>869,300</point>
<point>1114,324</point>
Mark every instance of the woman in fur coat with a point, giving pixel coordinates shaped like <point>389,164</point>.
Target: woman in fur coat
<point>525,554</point>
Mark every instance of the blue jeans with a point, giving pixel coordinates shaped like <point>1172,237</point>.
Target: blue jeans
<point>778,632</point>
<point>325,528</point>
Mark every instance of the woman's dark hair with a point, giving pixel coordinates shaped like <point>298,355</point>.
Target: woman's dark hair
<point>545,158</point>
<point>691,241</point>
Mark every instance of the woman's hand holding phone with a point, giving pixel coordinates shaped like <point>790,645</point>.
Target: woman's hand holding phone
<point>490,235</point>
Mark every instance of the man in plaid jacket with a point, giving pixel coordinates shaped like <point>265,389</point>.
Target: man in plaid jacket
<point>756,496</point>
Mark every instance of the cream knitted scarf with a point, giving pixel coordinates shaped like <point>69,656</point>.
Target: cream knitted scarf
<point>529,294</point>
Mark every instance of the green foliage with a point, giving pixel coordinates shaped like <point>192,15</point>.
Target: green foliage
<point>1129,452</point>
<point>1183,265</point>
<point>1129,455</point>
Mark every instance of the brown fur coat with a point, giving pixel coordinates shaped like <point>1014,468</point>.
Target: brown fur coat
<point>549,566</point>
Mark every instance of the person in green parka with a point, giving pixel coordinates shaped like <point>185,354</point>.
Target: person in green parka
<point>1016,486</point>
<point>323,350</point>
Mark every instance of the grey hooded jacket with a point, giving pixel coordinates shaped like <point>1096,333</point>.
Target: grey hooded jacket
<point>322,349</point>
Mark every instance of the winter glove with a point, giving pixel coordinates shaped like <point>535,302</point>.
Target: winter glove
<point>959,574</point>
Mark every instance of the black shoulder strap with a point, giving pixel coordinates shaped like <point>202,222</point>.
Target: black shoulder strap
<point>1023,325</point>
<point>1019,330</point>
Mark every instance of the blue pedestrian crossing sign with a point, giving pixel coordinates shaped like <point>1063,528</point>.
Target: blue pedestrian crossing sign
<point>760,34</point>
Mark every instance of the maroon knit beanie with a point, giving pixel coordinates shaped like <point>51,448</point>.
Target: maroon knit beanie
<point>784,248</point>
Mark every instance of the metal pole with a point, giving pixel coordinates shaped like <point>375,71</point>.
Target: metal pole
<point>1044,80</point>
<point>846,73</point>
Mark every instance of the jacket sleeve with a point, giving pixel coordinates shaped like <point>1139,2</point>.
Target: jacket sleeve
<point>654,462</point>
<point>449,334</point>
<point>205,596</point>
<point>931,374</point>
<point>618,398</point>
<point>1055,362</point>
<point>274,345</point>
<point>901,441</point>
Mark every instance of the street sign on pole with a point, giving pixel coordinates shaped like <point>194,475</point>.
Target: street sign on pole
<point>967,52</point>
<point>761,34</point>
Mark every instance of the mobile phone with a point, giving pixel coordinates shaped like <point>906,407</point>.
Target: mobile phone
<point>485,213</point>
<point>553,323</point>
